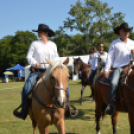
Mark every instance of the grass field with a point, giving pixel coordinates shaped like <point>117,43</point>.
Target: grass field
<point>83,123</point>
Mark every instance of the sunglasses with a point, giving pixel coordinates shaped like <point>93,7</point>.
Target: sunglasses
<point>125,31</point>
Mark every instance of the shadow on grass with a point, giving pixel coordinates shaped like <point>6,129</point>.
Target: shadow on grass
<point>81,115</point>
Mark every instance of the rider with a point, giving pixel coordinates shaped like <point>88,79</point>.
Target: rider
<point>38,51</point>
<point>95,65</point>
<point>91,56</point>
<point>118,58</point>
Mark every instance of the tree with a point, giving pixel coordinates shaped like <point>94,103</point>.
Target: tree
<point>13,49</point>
<point>93,19</point>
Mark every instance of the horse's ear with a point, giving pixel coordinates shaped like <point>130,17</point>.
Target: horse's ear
<point>49,62</point>
<point>66,61</point>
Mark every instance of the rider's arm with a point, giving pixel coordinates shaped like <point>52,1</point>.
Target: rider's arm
<point>110,58</point>
<point>30,59</point>
<point>93,62</point>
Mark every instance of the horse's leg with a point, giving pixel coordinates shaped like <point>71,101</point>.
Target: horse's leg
<point>98,111</point>
<point>98,116</point>
<point>60,126</point>
<point>34,122</point>
<point>131,120</point>
<point>114,120</point>
<point>92,90</point>
<point>82,90</point>
<point>43,129</point>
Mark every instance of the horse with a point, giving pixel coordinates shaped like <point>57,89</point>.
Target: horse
<point>50,98</point>
<point>79,65</point>
<point>124,99</point>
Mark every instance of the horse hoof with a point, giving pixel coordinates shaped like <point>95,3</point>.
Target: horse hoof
<point>98,132</point>
<point>92,101</point>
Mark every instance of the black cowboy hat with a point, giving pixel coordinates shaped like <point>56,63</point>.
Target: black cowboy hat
<point>122,26</point>
<point>45,28</point>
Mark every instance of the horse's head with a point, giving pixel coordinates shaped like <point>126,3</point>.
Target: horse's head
<point>102,61</point>
<point>59,78</point>
<point>77,64</point>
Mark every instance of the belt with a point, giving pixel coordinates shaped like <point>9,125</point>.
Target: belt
<point>32,69</point>
<point>40,70</point>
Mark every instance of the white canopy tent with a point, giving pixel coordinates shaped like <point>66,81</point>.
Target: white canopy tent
<point>84,58</point>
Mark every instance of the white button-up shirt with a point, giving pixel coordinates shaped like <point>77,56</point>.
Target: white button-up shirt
<point>119,53</point>
<point>90,60</point>
<point>38,51</point>
<point>95,60</point>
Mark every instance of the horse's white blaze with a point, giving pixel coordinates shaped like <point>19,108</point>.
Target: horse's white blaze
<point>61,86</point>
<point>61,93</point>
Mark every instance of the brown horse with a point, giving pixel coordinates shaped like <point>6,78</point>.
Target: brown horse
<point>124,100</point>
<point>50,98</point>
<point>79,65</point>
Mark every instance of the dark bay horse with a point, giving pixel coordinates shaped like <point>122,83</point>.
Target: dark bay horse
<point>124,100</point>
<point>49,108</point>
<point>79,65</point>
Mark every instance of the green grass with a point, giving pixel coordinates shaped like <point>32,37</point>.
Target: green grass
<point>83,123</point>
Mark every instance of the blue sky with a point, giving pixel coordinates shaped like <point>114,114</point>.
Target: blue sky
<point>27,14</point>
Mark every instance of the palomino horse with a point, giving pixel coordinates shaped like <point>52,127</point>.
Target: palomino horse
<point>50,98</point>
<point>79,65</point>
<point>124,99</point>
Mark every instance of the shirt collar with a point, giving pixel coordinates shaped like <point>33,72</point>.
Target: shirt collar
<point>43,42</point>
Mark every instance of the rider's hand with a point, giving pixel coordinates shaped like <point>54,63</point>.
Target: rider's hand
<point>106,74</point>
<point>37,64</point>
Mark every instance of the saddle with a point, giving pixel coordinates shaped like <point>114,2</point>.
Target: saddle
<point>123,76</point>
<point>122,81</point>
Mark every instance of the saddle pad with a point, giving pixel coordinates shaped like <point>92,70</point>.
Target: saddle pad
<point>39,80</point>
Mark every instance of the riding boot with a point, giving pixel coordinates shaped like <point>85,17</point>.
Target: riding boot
<point>24,109</point>
<point>110,110</point>
<point>92,92</point>
<point>91,77</point>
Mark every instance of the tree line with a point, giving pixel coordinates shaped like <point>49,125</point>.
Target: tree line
<point>92,19</point>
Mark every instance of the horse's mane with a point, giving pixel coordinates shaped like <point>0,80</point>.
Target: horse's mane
<point>51,68</point>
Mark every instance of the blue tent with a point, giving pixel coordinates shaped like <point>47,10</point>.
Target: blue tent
<point>17,67</point>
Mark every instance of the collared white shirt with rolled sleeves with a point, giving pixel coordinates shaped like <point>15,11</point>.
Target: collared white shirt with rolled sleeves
<point>90,60</point>
<point>119,53</point>
<point>38,51</point>
<point>94,60</point>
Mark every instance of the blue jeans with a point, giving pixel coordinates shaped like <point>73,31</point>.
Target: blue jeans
<point>68,92</point>
<point>30,82</point>
<point>114,82</point>
<point>91,77</point>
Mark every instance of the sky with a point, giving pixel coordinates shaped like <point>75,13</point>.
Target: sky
<point>25,15</point>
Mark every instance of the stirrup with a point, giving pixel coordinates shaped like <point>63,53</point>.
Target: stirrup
<point>19,114</point>
<point>110,110</point>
